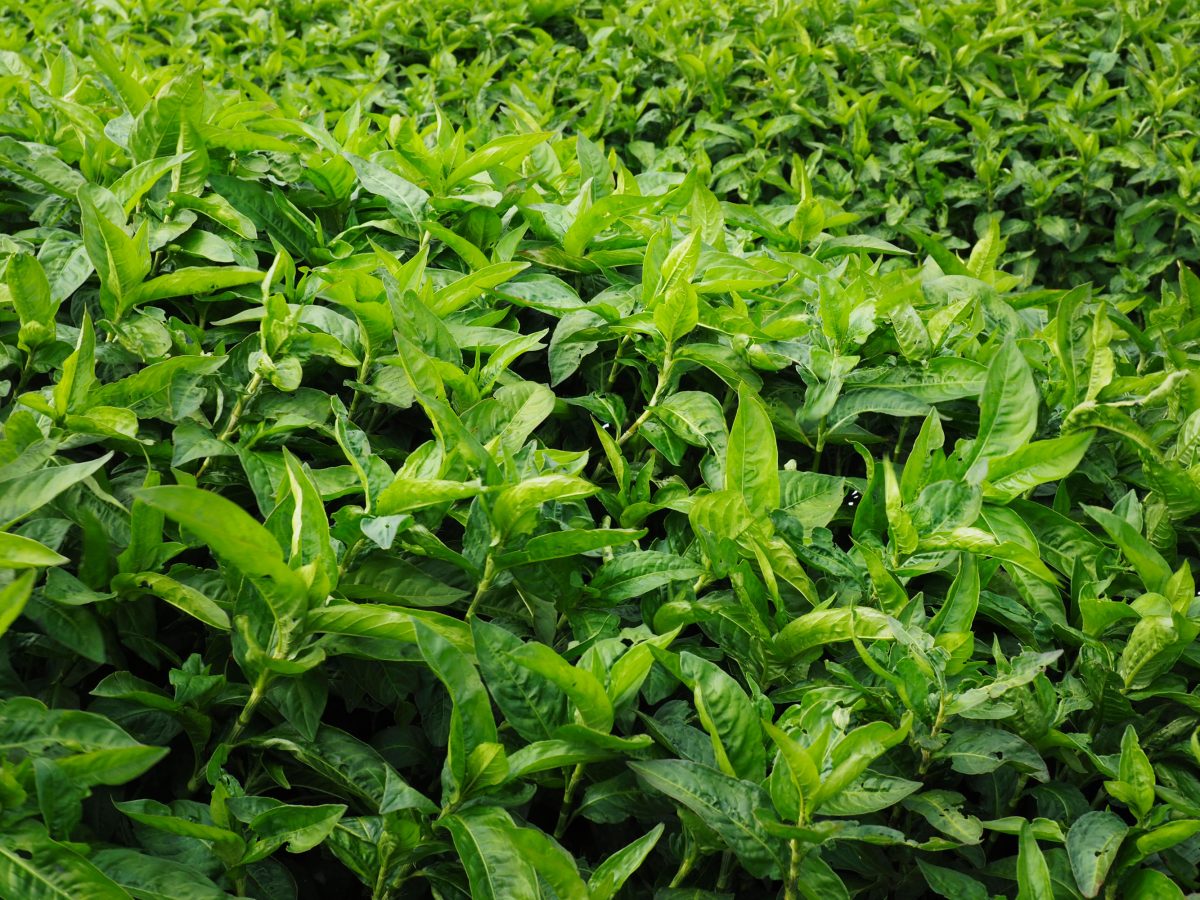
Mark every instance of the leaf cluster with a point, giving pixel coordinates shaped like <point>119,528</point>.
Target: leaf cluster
<point>463,451</point>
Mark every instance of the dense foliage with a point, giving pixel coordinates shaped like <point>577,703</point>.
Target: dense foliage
<point>676,450</point>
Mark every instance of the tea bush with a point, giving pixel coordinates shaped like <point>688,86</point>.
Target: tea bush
<point>520,450</point>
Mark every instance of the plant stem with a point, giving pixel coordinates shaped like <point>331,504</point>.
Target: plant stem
<point>247,714</point>
<point>614,371</point>
<point>938,721</point>
<point>564,812</point>
<point>363,371</point>
<point>819,449</point>
<point>257,692</point>
<point>252,389</point>
<point>26,370</point>
<point>791,887</point>
<point>485,583</point>
<point>900,438</point>
<point>234,416</point>
<point>664,377</point>
<point>685,866</point>
<point>351,556</point>
<point>726,870</point>
<point>637,423</point>
<point>381,891</point>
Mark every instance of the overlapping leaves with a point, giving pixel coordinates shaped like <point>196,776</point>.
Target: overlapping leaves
<point>430,505</point>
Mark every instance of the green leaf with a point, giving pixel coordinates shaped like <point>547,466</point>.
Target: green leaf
<point>495,865</point>
<point>131,187</point>
<point>487,766</point>
<point>73,391</point>
<point>1021,670</point>
<point>30,292</point>
<point>391,623</point>
<point>515,502</point>
<point>121,261</point>
<point>629,673</point>
<point>752,458</point>
<point>591,702</point>
<point>406,494</point>
<point>943,810</point>
<point>727,805</point>
<point>192,281</point>
<point>18,552</point>
<point>1147,562</point>
<point>1134,785</point>
<point>697,418</point>
<point>870,792</point>
<point>226,843</point>
<point>458,294</point>
<point>962,601</point>
<point>855,752</point>
<point>563,544</point>
<point>640,572</point>
<point>300,827</point>
<point>1153,885</point>
<point>33,867</point>
<point>267,210</point>
<point>978,749</point>
<point>471,722</point>
<point>13,597</point>
<point>811,498</point>
<point>310,551</point>
<point>724,362</point>
<point>578,746</point>
<point>497,152</point>
<point>1151,637</point>
<point>1008,407</point>
<point>171,390</point>
<point>25,494</point>
<point>38,170</point>
<point>179,595</point>
<point>1037,463</point>
<point>802,771</point>
<point>611,874</point>
<point>556,867</point>
<point>1033,875</point>
<point>818,880</point>
<point>951,883</point>
<point>355,769</point>
<point>677,312</point>
<point>242,543</point>
<point>154,877</point>
<point>977,540</point>
<point>531,703</point>
<point>828,626</point>
<point>728,715</point>
<point>940,379</point>
<point>1092,845</point>
<point>1167,836</point>
<point>114,765</point>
